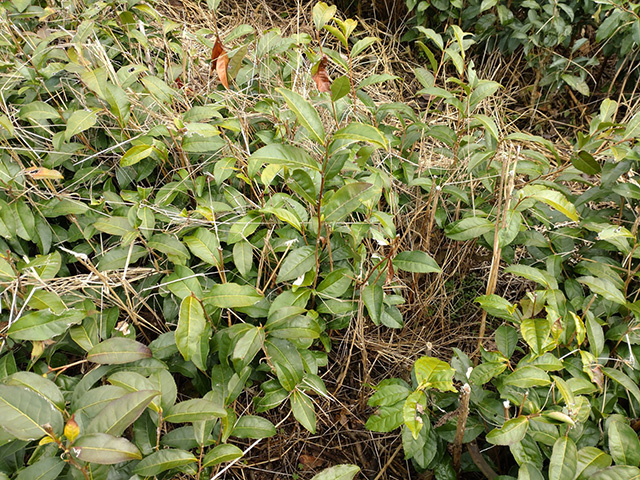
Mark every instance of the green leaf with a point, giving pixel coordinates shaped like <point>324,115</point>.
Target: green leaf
<point>79,121</point>
<point>195,410</point>
<point>105,449</point>
<point>297,263</point>
<point>306,114</point>
<point>232,295</point>
<point>344,201</point>
<point>512,431</point>
<point>362,45</point>
<point>243,257</point>
<point>204,245</point>
<point>617,472</point>
<point>585,162</point>
<point>433,373</point>
<point>23,413</point>
<point>192,332</point>
<point>290,156</point>
<point>535,332</point>
<point>303,410</point>
<point>221,454</point>
<point>624,445</point>
<point>542,277</point>
<point>506,340</point>
<point>248,344</point>
<point>136,154</point>
<point>497,306</point>
<point>43,324</point>
<point>119,226</point>
<point>362,132</point>
<point>386,419</point>
<point>37,111</point>
<point>632,129</point>
<point>322,14</point>
<point>287,362</point>
<point>171,246</point>
<point>252,426</point>
<point>564,459</point>
<point>468,228</point>
<point>120,257</point>
<point>416,262</point>
<point>118,414</point>
<point>118,350</point>
<point>373,298</point>
<point>605,288</point>
<point>528,471</point>
<point>411,412</point>
<point>621,378</point>
<point>528,376</point>
<point>590,460</point>
<point>43,469</point>
<point>39,384</point>
<point>163,460</point>
<point>340,87</point>
<point>338,472</point>
<point>553,198</point>
<point>576,83</point>
<point>389,395</point>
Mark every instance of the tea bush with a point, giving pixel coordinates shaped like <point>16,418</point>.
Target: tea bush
<point>561,40</point>
<point>170,244</point>
<point>552,392</point>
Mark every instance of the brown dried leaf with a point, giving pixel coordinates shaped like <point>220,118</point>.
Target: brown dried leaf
<point>215,53</point>
<point>310,461</point>
<point>221,67</point>
<point>40,173</point>
<point>320,76</point>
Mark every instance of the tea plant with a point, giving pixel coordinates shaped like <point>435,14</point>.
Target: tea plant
<point>553,391</point>
<point>171,247</point>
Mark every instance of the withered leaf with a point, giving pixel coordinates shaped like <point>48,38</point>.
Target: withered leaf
<point>221,67</point>
<point>320,76</point>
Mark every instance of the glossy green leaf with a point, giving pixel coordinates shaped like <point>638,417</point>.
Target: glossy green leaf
<point>362,132</point>
<point>621,378</point>
<point>194,410</point>
<point>232,295</point>
<point>433,373</point>
<point>221,454</point>
<point>204,245</point>
<point>23,413</point>
<point>590,460</point>
<point>117,415</point>
<point>136,154</point>
<point>79,121</point>
<point>624,445</point>
<point>553,198</point>
<point>280,154</point>
<point>322,14</point>
<point>468,228</point>
<point>411,411</point>
<point>297,263</point>
<point>306,114</point>
<point>564,459</point>
<point>527,377</point>
<point>344,201</point>
<point>105,449</point>
<point>617,472</point>
<point>512,431</point>
<point>43,469</point>
<point>252,426</point>
<point>287,362</point>
<point>303,410</point>
<point>535,332</point>
<point>43,324</point>
<point>163,460</point>
<point>605,288</point>
<point>338,472</point>
<point>373,298</point>
<point>118,350</point>
<point>416,262</point>
<point>114,225</point>
<point>192,331</point>
<point>39,384</point>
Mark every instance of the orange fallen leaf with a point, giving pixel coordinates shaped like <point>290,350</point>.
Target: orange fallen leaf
<point>311,461</point>
<point>40,173</point>
<point>221,67</point>
<point>220,59</point>
<point>320,76</point>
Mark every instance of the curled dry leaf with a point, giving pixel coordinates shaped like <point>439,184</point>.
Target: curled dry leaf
<point>320,75</point>
<point>40,173</point>
<point>220,59</point>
